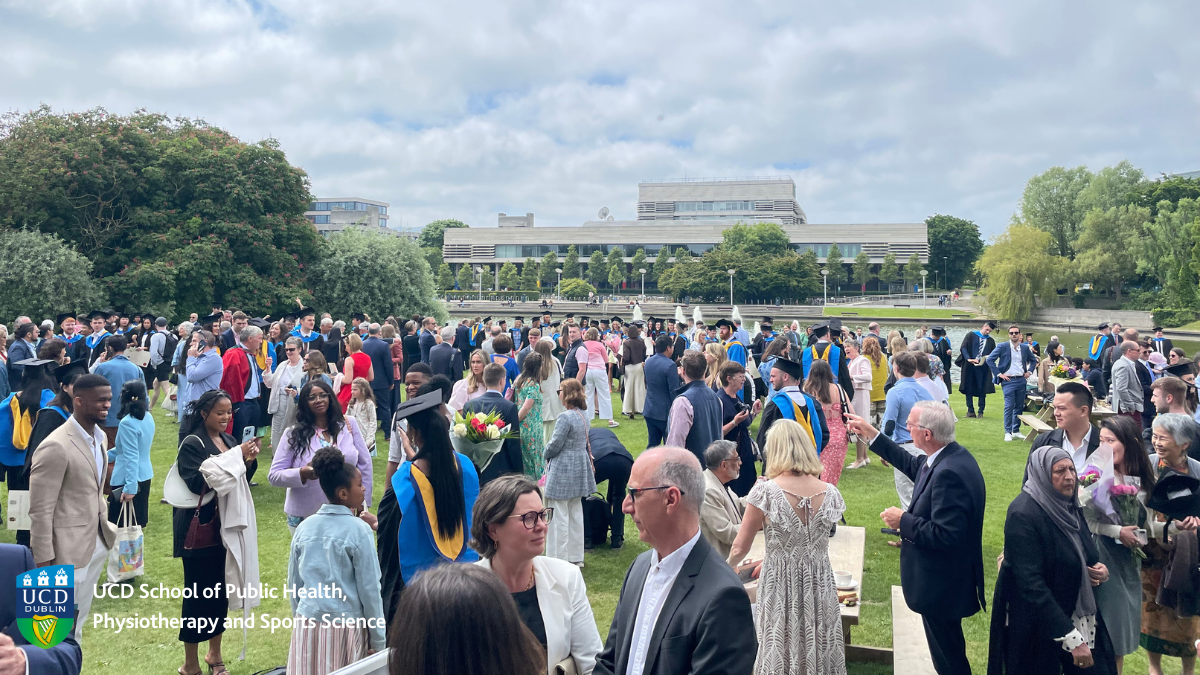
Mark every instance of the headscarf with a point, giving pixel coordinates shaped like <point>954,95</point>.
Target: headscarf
<point>1065,513</point>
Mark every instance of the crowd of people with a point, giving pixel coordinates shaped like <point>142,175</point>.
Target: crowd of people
<point>313,392</point>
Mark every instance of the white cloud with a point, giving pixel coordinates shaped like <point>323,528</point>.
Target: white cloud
<point>881,112</point>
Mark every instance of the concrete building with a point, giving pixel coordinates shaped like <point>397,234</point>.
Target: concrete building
<point>745,199</point>
<point>334,214</point>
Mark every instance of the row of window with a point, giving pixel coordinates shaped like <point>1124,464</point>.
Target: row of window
<point>715,206</point>
<point>319,220</point>
<point>345,206</point>
<point>586,250</point>
<point>847,250</point>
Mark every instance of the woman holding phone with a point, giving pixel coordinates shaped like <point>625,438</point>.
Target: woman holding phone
<point>285,384</point>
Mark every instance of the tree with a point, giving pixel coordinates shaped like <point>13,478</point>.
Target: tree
<point>1167,250</point>
<point>1112,186</point>
<point>570,267</point>
<point>889,271</point>
<point>638,263</point>
<point>466,278</point>
<point>958,242</point>
<point>529,275</point>
<point>912,271</point>
<point>549,264</point>
<point>170,212</point>
<point>509,277</point>
<point>489,277</point>
<point>1017,269</point>
<point>1107,249</point>
<point>662,263</point>
<point>683,255</point>
<point>391,276</point>
<point>862,270</point>
<point>616,267</point>
<point>445,277</point>
<point>833,263</point>
<point>576,288</point>
<point>1152,193</point>
<point>756,239</point>
<point>42,276</point>
<point>433,235</point>
<point>1051,204</point>
<point>760,277</point>
<point>597,269</point>
<point>433,256</point>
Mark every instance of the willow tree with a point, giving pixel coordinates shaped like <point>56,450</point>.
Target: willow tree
<point>1018,269</point>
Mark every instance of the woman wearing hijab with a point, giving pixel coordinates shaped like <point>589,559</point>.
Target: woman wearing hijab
<point>1044,616</point>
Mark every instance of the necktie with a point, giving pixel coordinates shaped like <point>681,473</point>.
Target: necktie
<point>921,477</point>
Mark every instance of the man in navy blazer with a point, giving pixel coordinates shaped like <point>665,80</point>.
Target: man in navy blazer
<point>662,381</point>
<point>941,550</point>
<point>1010,372</point>
<point>381,386</point>
<point>16,654</point>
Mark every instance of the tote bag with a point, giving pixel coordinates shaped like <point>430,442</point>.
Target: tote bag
<point>125,557</point>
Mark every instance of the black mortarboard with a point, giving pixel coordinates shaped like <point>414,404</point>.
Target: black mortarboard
<point>790,367</point>
<point>548,313</point>
<point>1180,368</point>
<point>615,318</point>
<point>555,324</point>
<point>63,317</point>
<point>639,324</point>
<point>604,319</point>
<point>97,314</point>
<point>1176,495</point>
<point>724,322</point>
<point>518,318</point>
<point>306,311</point>
<point>820,329</point>
<point>487,319</point>
<point>66,373</point>
<point>835,325</point>
<point>260,323</point>
<point>418,404</point>
<point>210,319</point>
<point>33,363</point>
<point>990,324</point>
<point>290,316</point>
<point>1102,326</point>
<point>570,316</point>
<point>766,322</point>
<point>938,330</point>
<point>1158,329</point>
<point>358,316</point>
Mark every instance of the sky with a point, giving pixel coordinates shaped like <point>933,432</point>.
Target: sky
<point>880,111</point>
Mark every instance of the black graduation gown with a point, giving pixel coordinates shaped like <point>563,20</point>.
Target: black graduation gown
<point>942,350</point>
<point>387,546</point>
<point>771,413</point>
<point>975,380</point>
<point>94,353</point>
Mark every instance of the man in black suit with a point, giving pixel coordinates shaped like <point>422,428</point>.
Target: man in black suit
<point>613,464</point>
<point>381,386</point>
<point>1075,433</point>
<point>941,554</point>
<point>229,337</point>
<point>682,608</point>
<point>425,337</point>
<point>445,359</point>
<point>508,460</point>
<point>462,341</point>
<point>16,654</point>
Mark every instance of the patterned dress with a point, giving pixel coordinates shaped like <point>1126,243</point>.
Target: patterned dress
<point>799,619</point>
<point>533,439</point>
<point>833,457</point>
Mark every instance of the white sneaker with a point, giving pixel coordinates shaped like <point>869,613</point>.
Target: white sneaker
<point>1007,438</point>
<point>1017,434</point>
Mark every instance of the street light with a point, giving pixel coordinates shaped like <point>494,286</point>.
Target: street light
<point>945,262</point>
<point>558,270</point>
<point>643,271</point>
<point>479,273</point>
<point>924,273</point>
<point>825,282</point>
<point>731,273</point>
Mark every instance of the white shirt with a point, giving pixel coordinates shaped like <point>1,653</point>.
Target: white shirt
<point>96,442</point>
<point>929,460</point>
<point>1079,454</point>
<point>1016,366</point>
<point>655,590</point>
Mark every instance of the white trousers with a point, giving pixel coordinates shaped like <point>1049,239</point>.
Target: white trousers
<point>85,584</point>
<point>904,486</point>
<point>564,540</point>
<point>635,389</point>
<point>596,386</point>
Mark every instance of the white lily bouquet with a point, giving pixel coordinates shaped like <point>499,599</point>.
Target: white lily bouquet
<point>479,436</point>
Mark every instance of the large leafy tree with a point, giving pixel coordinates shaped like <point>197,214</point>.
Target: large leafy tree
<point>576,288</point>
<point>1170,190</point>
<point>170,212</point>
<point>1111,186</point>
<point>1051,204</point>
<point>833,263</point>
<point>391,276</point>
<point>759,277</point>
<point>862,270</point>
<point>529,275</point>
<point>912,271</point>
<point>597,269</point>
<point>662,262</point>
<point>638,263</point>
<point>570,266</point>
<point>42,276</point>
<point>954,246</point>
<point>509,277</point>
<point>757,238</point>
<point>433,235</point>
<point>1107,249</point>
<point>549,264</point>
<point>1017,269</point>
<point>466,278</point>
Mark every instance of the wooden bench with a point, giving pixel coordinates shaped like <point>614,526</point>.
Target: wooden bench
<point>901,305</point>
<point>1038,426</point>
<point>847,314</point>
<point>961,316</point>
<point>910,649</point>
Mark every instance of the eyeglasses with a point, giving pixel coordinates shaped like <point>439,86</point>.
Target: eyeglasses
<point>321,396</point>
<point>634,492</point>
<point>910,427</point>
<point>531,519</point>
<point>1014,333</point>
<point>290,349</point>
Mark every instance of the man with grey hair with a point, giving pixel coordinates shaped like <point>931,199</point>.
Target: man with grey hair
<point>681,589</point>
<point>326,326</point>
<point>941,557</point>
<point>444,358</point>
<point>242,379</point>
<point>721,512</point>
<point>1126,390</point>
<point>487,344</point>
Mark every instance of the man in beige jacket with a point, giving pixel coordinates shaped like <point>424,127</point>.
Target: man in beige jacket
<point>68,515</point>
<point>721,512</point>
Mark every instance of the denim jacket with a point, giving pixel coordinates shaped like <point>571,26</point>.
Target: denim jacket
<point>334,548</point>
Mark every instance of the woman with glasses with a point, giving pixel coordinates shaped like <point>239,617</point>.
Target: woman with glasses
<point>508,529</point>
<point>569,476</point>
<point>736,418</point>
<point>319,424</point>
<point>285,384</point>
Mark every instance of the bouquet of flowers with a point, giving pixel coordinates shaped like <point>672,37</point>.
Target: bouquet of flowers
<point>1066,372</point>
<point>479,436</point>
<point>1125,502</point>
<point>1109,498</point>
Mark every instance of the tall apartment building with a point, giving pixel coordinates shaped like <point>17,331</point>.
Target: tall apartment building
<point>334,214</point>
<point>745,199</point>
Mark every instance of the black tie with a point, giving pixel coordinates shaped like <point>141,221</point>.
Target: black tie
<point>922,473</point>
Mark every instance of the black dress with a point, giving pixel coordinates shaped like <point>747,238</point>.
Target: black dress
<point>1035,596</point>
<point>412,351</point>
<point>740,434</point>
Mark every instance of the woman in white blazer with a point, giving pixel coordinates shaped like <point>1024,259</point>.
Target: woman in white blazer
<point>508,529</point>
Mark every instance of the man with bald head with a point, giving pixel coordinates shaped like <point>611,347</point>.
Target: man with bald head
<point>682,582</point>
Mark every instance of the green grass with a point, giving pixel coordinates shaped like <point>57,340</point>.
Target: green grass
<point>867,491</point>
<point>914,312</point>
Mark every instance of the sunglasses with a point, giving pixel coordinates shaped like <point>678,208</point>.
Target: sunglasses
<point>1012,333</point>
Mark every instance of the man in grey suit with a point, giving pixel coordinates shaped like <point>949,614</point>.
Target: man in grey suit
<point>682,609</point>
<point>1126,390</point>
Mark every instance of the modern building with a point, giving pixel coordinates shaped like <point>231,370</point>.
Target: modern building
<point>732,199</point>
<point>335,214</point>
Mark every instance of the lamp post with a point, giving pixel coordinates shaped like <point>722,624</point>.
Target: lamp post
<point>558,271</point>
<point>479,273</point>
<point>924,273</point>
<point>731,273</point>
<point>643,271</point>
<point>945,262</point>
<point>825,283</point>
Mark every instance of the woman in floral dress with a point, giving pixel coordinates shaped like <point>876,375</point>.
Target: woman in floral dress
<point>528,388</point>
<point>819,385</point>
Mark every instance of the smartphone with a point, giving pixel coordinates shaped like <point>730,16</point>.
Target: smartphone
<point>261,432</point>
<point>247,434</point>
<point>202,345</point>
<point>890,530</point>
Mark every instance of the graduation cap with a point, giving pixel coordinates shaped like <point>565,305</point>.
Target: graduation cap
<point>358,316</point>
<point>1176,495</point>
<point>487,319</point>
<point>820,329</point>
<point>604,319</point>
<point>570,316</point>
<point>503,322</point>
<point>97,314</point>
<point>938,330</point>
<point>1029,335</point>
<point>547,313</point>
<point>306,311</point>
<point>289,316</point>
<point>66,373</point>
<point>790,367</point>
<point>1102,326</point>
<point>615,318</point>
<point>724,323</point>
<point>639,324</point>
<point>555,324</point>
<point>518,318</point>
<point>418,404</point>
<point>63,317</point>
<point>31,366</point>
<point>1180,368</point>
<point>1158,329</point>
<point>766,322</point>
<point>260,323</point>
<point>210,319</point>
<point>835,325</point>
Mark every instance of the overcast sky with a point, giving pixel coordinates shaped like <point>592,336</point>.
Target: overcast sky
<point>880,111</point>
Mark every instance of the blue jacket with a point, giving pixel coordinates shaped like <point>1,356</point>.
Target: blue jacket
<point>662,380</point>
<point>118,370</point>
<point>131,453</point>
<point>1001,358</point>
<point>19,351</point>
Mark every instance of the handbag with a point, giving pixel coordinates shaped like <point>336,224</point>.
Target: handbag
<point>846,420</point>
<point>566,667</point>
<point>203,535</point>
<point>125,559</point>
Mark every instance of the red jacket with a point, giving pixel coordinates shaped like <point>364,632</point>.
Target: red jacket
<point>237,374</point>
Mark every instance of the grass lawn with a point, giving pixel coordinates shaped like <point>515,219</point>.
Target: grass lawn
<point>914,312</point>
<point>867,491</point>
